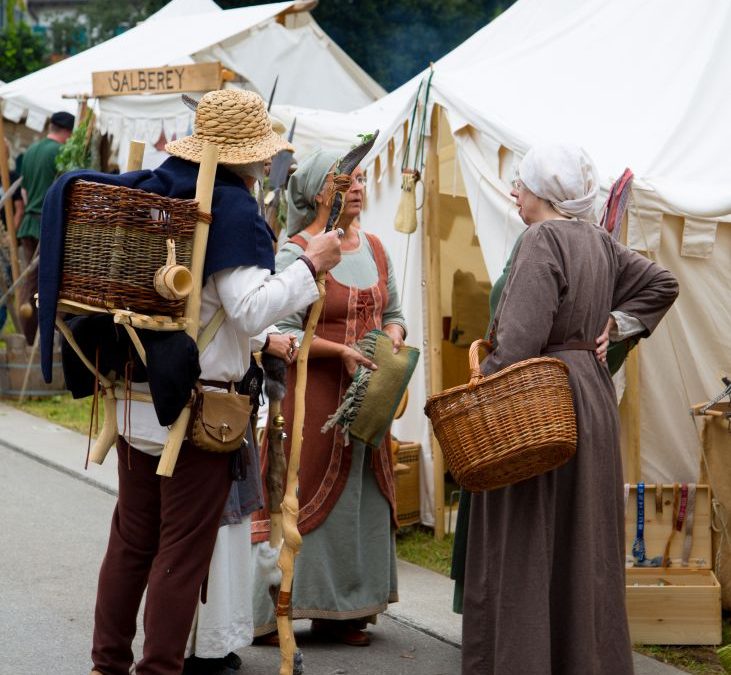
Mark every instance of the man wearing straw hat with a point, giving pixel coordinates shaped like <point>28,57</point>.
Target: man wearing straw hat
<point>164,529</point>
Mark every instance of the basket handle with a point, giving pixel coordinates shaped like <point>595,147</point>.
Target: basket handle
<point>474,356</point>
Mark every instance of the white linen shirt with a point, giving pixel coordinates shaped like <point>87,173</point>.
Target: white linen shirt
<point>253,299</point>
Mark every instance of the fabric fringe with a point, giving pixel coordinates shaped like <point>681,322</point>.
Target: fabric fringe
<point>353,399</point>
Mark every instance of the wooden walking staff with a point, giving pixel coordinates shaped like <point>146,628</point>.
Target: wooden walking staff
<point>204,197</point>
<point>290,504</point>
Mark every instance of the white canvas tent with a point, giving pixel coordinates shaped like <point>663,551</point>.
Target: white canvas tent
<point>260,43</point>
<point>610,75</point>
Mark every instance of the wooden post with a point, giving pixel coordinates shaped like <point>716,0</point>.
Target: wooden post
<point>204,197</point>
<point>631,403</point>
<point>136,152</point>
<point>5,176</point>
<point>433,302</point>
<point>705,449</point>
<point>630,406</point>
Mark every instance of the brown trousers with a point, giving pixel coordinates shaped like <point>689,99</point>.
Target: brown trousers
<point>162,537</point>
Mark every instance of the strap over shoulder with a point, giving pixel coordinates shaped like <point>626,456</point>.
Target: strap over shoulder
<point>211,328</point>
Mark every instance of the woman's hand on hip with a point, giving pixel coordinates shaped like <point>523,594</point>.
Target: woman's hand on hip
<point>602,342</point>
<point>352,358</point>
<point>396,333</point>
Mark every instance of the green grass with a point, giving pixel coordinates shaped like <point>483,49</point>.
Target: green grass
<point>62,410</point>
<point>417,545</point>
<point>695,659</point>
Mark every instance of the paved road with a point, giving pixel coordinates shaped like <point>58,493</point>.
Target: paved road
<point>52,538</point>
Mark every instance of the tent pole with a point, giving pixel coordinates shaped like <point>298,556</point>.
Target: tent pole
<point>629,408</point>
<point>631,417</point>
<point>432,243</point>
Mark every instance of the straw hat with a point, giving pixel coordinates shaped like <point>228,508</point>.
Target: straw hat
<point>238,123</point>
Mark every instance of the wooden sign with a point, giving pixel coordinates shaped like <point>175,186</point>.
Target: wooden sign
<point>163,80</point>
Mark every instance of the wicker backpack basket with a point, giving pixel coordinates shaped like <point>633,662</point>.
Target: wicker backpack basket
<point>504,428</point>
<point>114,241</point>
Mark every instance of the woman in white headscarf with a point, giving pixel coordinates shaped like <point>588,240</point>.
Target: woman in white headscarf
<point>544,579</point>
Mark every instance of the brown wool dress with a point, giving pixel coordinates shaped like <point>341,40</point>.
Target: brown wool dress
<point>544,581</point>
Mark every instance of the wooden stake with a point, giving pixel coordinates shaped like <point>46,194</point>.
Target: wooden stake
<point>108,436</point>
<point>9,223</point>
<point>433,302</point>
<point>136,153</point>
<point>204,197</point>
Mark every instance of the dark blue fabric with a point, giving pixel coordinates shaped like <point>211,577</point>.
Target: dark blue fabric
<point>239,236</point>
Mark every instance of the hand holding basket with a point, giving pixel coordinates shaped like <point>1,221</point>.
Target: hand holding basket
<point>507,427</point>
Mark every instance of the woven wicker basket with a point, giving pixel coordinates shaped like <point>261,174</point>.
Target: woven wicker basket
<point>507,427</point>
<point>115,240</point>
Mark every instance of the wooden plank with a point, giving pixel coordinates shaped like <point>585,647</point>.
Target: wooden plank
<point>162,80</point>
<point>684,611</point>
<point>432,243</point>
<point>659,526</point>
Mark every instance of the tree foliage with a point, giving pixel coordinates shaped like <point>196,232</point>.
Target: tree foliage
<point>68,36</point>
<point>21,51</point>
<point>106,19</point>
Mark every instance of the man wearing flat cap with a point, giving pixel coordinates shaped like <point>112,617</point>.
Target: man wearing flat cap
<point>38,172</point>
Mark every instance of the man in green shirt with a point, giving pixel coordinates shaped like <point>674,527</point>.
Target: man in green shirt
<point>39,172</point>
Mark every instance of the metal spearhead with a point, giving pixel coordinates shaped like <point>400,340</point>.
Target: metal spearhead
<point>190,102</point>
<point>346,166</point>
<point>281,163</point>
<point>271,96</point>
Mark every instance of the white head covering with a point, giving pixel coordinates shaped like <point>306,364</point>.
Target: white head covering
<point>563,174</point>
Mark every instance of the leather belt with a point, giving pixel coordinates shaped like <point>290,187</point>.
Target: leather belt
<point>569,346</point>
<point>219,384</point>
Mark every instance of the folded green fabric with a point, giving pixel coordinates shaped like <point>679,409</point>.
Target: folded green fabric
<point>369,404</point>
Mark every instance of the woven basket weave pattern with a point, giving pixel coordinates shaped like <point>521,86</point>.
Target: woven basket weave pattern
<point>115,240</point>
<point>507,427</point>
<point>238,123</point>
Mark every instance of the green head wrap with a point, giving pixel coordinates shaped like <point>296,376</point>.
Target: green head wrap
<point>304,185</point>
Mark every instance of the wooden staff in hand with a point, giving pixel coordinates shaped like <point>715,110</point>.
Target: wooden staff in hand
<point>338,183</point>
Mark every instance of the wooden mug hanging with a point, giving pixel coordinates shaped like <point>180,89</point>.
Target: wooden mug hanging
<point>173,281</point>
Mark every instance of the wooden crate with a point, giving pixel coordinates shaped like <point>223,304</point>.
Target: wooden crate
<point>408,504</point>
<point>14,359</point>
<point>672,605</point>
